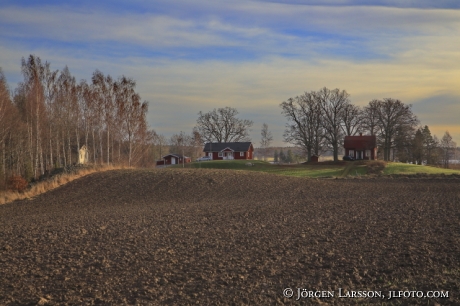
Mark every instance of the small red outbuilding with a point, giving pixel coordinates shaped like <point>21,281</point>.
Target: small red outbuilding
<point>173,159</point>
<point>314,158</point>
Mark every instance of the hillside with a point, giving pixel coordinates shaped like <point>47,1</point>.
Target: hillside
<point>327,169</point>
<point>220,237</point>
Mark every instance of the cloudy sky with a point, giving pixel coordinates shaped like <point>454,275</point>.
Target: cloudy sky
<point>191,56</point>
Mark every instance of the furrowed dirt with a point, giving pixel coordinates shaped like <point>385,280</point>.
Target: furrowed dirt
<point>217,237</point>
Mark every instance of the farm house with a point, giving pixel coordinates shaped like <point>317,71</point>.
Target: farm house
<point>229,150</point>
<point>361,147</point>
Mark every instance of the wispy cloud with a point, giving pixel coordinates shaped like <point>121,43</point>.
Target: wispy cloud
<point>189,56</point>
<point>265,29</point>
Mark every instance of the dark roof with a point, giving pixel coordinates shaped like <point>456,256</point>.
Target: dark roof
<point>366,142</point>
<point>235,146</point>
<point>175,155</point>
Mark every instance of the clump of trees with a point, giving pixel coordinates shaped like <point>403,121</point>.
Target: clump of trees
<point>319,121</point>
<point>188,145</point>
<point>288,157</point>
<point>50,115</point>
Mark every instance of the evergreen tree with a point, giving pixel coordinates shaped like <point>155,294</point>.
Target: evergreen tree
<point>417,147</point>
<point>282,156</point>
<point>290,156</point>
<point>429,145</point>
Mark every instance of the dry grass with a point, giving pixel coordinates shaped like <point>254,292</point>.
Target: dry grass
<point>54,182</point>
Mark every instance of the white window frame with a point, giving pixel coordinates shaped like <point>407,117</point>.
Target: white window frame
<point>220,154</point>
<point>351,153</point>
<point>241,153</point>
<point>210,154</point>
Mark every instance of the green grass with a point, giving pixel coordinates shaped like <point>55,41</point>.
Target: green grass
<point>317,170</point>
<point>299,170</point>
<point>401,168</point>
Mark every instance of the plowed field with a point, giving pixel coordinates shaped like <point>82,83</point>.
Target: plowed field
<point>222,237</point>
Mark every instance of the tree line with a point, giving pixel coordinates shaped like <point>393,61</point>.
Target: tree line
<point>319,120</point>
<point>50,116</point>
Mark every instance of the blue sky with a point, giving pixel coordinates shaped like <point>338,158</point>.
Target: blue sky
<point>191,56</point>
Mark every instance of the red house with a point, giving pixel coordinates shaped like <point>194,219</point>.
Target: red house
<point>229,150</point>
<point>173,159</point>
<point>361,147</point>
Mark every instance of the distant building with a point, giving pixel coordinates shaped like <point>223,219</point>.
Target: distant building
<point>361,147</point>
<point>229,150</point>
<point>173,159</point>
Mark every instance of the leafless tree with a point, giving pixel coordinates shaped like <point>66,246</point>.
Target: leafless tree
<point>68,111</point>
<point>103,92</point>
<point>5,104</point>
<point>222,125</point>
<point>132,113</point>
<point>352,120</point>
<point>6,109</point>
<point>191,145</point>
<point>333,105</point>
<point>447,145</point>
<point>181,144</point>
<point>197,143</point>
<point>393,116</point>
<point>369,117</point>
<point>160,145</point>
<point>304,127</point>
<point>34,73</point>
<point>266,139</point>
<point>50,115</point>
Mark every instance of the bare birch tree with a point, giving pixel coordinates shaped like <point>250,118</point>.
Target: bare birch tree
<point>50,115</point>
<point>266,139</point>
<point>132,112</point>
<point>34,72</point>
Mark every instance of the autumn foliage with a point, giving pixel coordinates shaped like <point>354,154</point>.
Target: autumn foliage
<point>50,115</point>
<point>17,183</point>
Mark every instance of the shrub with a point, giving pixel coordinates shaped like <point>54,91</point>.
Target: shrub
<point>375,167</point>
<point>17,183</point>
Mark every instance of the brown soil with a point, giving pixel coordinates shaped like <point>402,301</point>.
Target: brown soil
<point>219,237</point>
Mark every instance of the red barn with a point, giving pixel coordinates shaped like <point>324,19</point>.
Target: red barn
<point>229,150</point>
<point>361,147</point>
<point>173,159</point>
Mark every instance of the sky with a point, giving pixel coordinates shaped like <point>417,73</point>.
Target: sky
<point>192,56</point>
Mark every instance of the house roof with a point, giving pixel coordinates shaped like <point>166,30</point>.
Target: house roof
<point>175,155</point>
<point>366,142</point>
<point>235,146</point>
